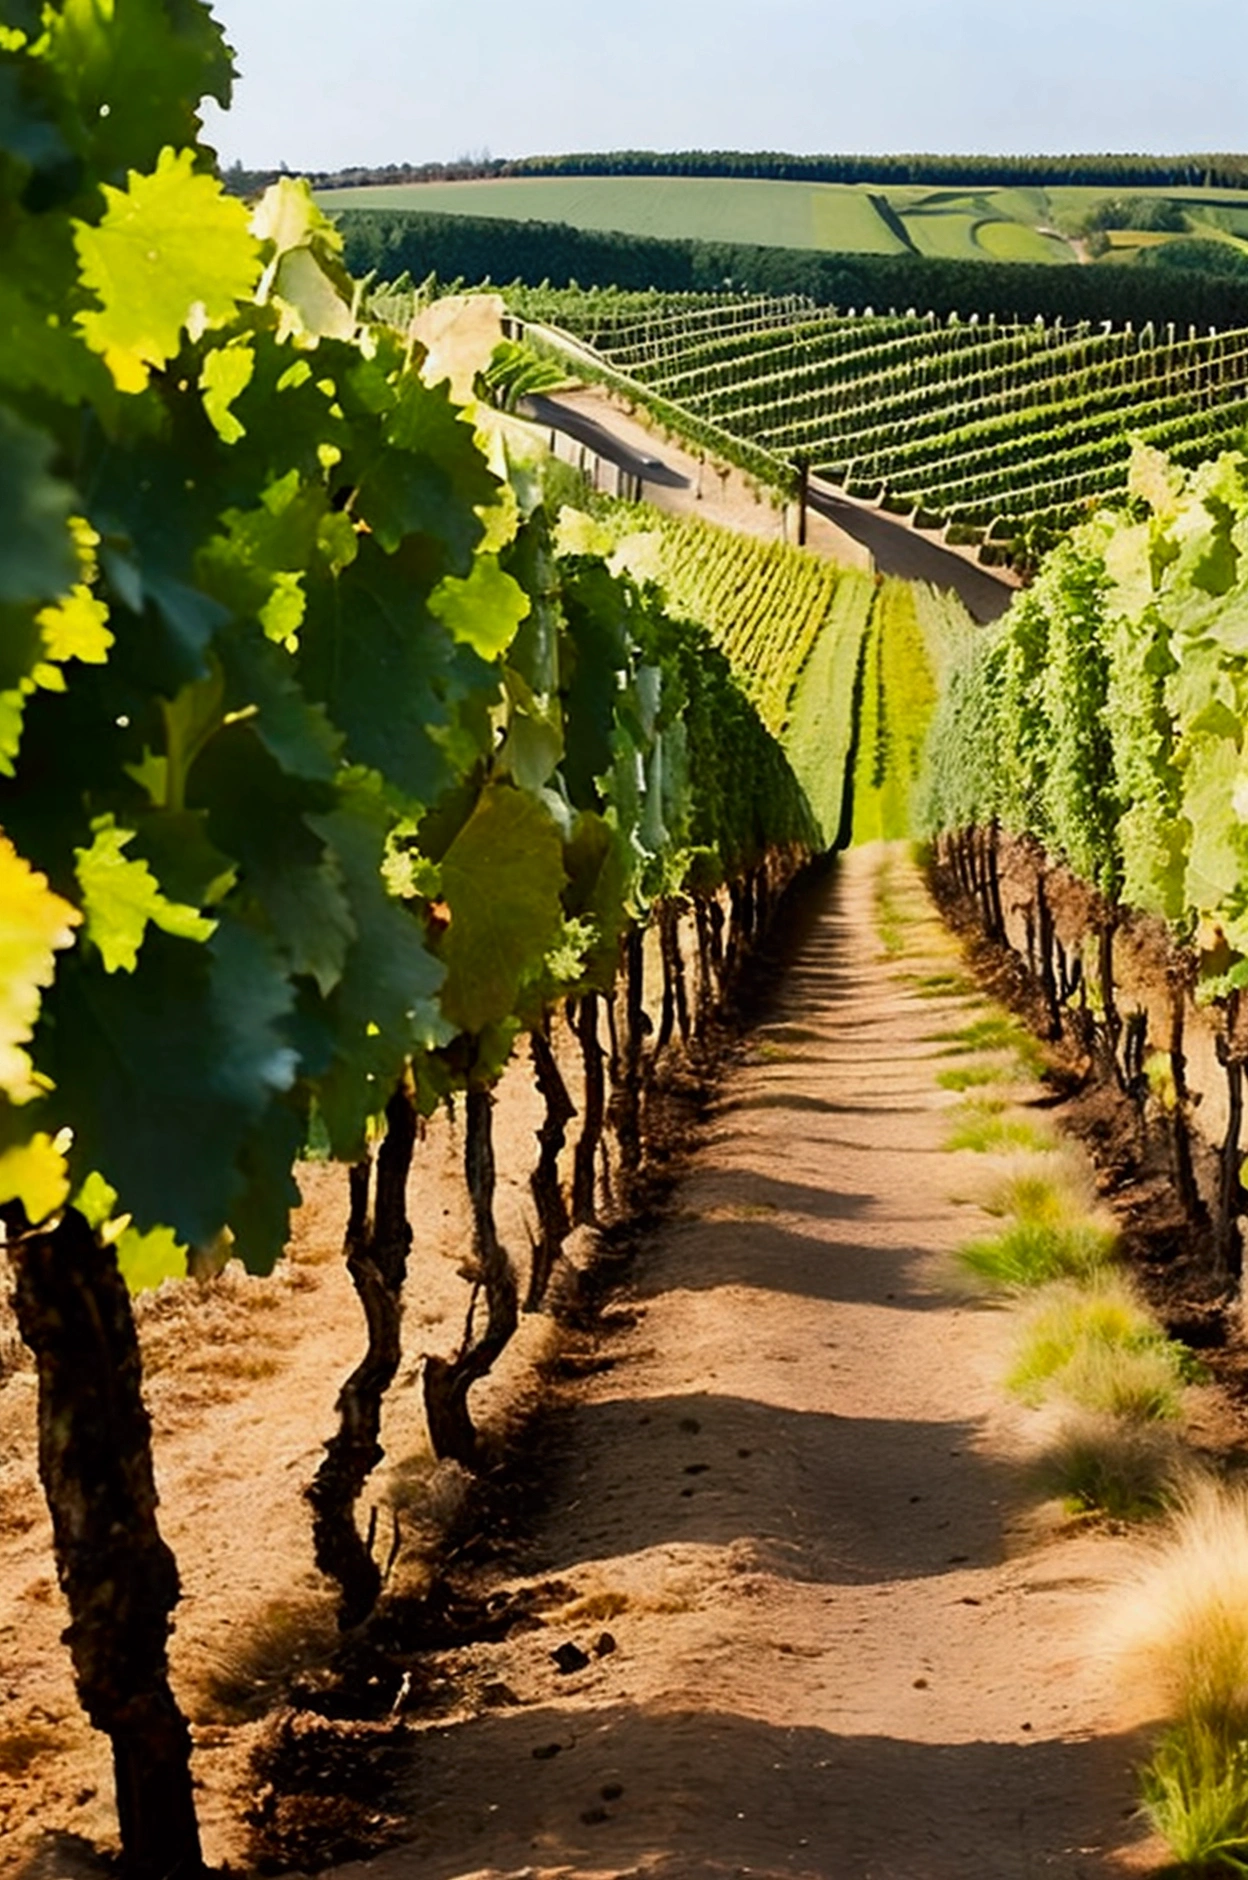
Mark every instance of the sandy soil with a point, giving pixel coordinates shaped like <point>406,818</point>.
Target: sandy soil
<point>840,1641</point>
<point>821,1630</point>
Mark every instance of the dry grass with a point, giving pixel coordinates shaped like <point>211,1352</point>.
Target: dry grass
<point>1181,1640</point>
<point>1097,1346</point>
<point>1101,1465</point>
<point>253,1669</point>
<point>1182,1633</point>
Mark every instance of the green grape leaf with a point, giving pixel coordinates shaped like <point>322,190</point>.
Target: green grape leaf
<point>533,747</point>
<point>268,1194</point>
<point>184,860</point>
<point>34,925</point>
<point>172,251</point>
<point>37,559</point>
<point>482,611</point>
<point>1215,862</point>
<point>502,878</point>
<point>147,1260</point>
<point>96,1201</point>
<point>384,1006</point>
<point>34,1173</point>
<point>599,870</point>
<point>261,681</point>
<point>136,70</point>
<point>226,374</point>
<point>368,641</point>
<point>257,815</point>
<point>121,896</point>
<point>168,1069</point>
<point>425,476</point>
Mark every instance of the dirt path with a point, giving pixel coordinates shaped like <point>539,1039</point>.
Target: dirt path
<point>838,1645</point>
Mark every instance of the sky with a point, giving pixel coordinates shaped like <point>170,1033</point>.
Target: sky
<point>325,84</point>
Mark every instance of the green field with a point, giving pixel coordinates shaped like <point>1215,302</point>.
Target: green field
<point>1008,224</point>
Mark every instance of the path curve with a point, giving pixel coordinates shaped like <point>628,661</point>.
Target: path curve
<point>839,1647</point>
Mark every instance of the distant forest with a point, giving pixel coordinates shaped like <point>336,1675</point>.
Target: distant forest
<point>389,243</point>
<point>1211,170</point>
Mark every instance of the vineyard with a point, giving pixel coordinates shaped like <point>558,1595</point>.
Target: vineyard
<point>1003,434</point>
<point>412,866</point>
<point>841,667</point>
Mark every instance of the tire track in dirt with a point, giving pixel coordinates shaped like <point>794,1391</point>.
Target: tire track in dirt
<point>837,1641</point>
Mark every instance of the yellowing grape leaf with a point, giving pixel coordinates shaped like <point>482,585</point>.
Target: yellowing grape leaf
<point>148,1259</point>
<point>459,333</point>
<point>34,922</point>
<point>121,896</point>
<point>77,628</point>
<point>311,304</point>
<point>227,373</point>
<point>287,216</point>
<point>172,251</point>
<point>34,1173</point>
<point>484,611</point>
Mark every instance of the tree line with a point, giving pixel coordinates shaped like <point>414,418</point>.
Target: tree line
<point>478,248</point>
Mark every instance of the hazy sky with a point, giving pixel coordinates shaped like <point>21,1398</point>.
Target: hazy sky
<point>326,83</point>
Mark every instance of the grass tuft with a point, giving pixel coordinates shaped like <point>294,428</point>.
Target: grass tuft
<point>1100,1465</point>
<point>1195,1792</point>
<point>1031,1252</point>
<point>985,1126</point>
<point>1183,1646</point>
<point>1098,1347</point>
<point>973,1076</point>
<point>1182,1637</point>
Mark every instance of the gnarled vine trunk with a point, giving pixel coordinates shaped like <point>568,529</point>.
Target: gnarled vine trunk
<point>378,1242</point>
<point>118,1576</point>
<point>448,1380</point>
<point>553,1220</point>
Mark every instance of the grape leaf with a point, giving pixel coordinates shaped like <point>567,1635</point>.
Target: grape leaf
<point>482,611</point>
<point>384,1006</point>
<point>37,559</point>
<point>121,896</point>
<point>34,1173</point>
<point>502,878</point>
<point>34,925</point>
<point>226,374</point>
<point>147,1260</point>
<point>162,1073</point>
<point>136,70</point>
<point>77,628</point>
<point>172,249</point>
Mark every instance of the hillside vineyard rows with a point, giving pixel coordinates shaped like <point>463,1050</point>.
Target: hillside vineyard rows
<point>1003,433</point>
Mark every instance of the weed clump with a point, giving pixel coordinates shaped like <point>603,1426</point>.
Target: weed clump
<point>1098,1347</point>
<point>1183,1645</point>
<point>986,1126</point>
<point>1101,1465</point>
<point>1030,1252</point>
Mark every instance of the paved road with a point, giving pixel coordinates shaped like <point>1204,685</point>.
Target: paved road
<point>554,415</point>
<point>895,547</point>
<point>898,549</point>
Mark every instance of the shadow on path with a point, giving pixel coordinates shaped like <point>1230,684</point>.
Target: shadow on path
<point>618,1790</point>
<point>845,1501</point>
